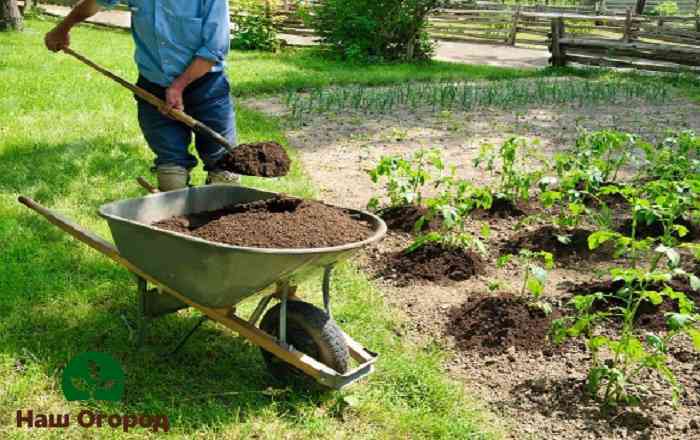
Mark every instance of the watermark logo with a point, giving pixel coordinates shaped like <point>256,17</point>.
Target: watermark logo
<point>93,376</point>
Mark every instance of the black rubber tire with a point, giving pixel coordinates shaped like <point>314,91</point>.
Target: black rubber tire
<point>309,330</point>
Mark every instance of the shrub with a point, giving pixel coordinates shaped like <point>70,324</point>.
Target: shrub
<point>364,30</point>
<point>254,25</point>
<point>666,9</point>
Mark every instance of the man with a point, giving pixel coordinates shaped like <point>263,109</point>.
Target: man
<point>181,46</point>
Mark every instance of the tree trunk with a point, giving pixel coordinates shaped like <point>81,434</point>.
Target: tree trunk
<point>641,4</point>
<point>10,18</point>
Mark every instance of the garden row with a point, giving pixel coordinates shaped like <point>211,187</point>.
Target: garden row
<point>631,203</point>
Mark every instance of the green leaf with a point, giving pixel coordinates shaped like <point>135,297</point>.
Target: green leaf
<point>694,282</point>
<point>485,230</point>
<point>695,336</point>
<point>678,321</point>
<point>539,273</point>
<point>503,260</point>
<point>656,342</point>
<point>598,341</point>
<point>535,286</point>
<point>681,230</point>
<point>598,238</point>
<point>673,256</point>
<point>653,297</point>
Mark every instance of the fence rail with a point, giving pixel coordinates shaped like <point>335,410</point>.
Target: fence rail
<point>637,49</point>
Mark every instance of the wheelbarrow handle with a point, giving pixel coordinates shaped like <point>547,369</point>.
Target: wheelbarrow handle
<point>178,115</point>
<point>87,237</point>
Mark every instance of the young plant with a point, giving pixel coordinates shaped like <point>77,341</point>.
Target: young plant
<point>452,207</point>
<point>516,182</point>
<point>536,266</point>
<point>676,158</point>
<point>619,361</point>
<point>406,179</point>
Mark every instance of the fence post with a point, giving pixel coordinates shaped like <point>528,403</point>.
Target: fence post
<point>627,33</point>
<point>558,53</point>
<point>514,27</point>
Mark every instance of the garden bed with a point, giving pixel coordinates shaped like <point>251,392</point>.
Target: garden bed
<point>501,350</point>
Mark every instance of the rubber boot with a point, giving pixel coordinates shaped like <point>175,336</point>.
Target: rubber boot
<point>223,177</point>
<point>172,177</point>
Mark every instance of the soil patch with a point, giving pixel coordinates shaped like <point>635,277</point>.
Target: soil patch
<point>263,159</point>
<point>500,208</point>
<point>404,218</point>
<point>494,324</point>
<point>279,222</point>
<point>553,240</point>
<point>431,263</point>
<point>656,229</point>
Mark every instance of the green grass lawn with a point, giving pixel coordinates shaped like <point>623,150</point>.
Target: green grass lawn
<point>69,138</point>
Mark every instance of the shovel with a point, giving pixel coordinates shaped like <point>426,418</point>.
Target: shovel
<point>178,115</point>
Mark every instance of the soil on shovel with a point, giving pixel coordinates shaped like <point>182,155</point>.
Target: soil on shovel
<point>280,222</point>
<point>492,325</point>
<point>263,159</point>
<point>434,263</point>
<point>404,218</point>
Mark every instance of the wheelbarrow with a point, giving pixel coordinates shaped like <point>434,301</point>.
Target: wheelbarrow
<point>175,271</point>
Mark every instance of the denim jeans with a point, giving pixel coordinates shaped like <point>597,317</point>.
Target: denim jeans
<point>208,100</point>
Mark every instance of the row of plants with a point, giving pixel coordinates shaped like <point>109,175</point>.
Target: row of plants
<point>468,96</point>
<point>641,200</point>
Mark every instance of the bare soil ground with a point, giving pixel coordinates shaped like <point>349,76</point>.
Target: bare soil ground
<point>509,365</point>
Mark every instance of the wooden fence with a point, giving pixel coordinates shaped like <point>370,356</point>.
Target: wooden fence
<point>642,46</point>
<point>530,25</point>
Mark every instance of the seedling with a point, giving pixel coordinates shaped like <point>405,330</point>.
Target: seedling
<point>536,265</point>
<point>614,377</point>
<point>515,180</point>
<point>406,179</point>
<point>452,206</point>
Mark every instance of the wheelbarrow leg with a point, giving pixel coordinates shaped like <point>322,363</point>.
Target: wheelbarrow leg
<point>143,319</point>
<point>283,314</point>
<point>182,342</point>
<point>327,289</point>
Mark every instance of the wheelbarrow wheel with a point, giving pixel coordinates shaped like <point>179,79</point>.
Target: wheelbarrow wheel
<point>309,330</point>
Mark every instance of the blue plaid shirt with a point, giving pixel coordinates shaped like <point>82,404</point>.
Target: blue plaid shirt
<point>170,33</point>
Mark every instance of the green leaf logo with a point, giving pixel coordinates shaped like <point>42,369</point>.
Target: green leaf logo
<point>93,376</point>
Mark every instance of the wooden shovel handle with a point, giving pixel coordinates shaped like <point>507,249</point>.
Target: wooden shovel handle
<point>178,115</point>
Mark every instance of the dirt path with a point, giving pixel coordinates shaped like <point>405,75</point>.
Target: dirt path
<point>487,54</point>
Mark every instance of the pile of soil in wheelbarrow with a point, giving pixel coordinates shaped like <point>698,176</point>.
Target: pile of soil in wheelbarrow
<point>280,222</point>
<point>263,159</point>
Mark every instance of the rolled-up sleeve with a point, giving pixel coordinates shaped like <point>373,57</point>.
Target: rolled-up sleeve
<point>215,31</point>
<point>107,4</point>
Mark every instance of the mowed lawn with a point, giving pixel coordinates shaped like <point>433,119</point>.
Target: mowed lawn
<point>69,138</point>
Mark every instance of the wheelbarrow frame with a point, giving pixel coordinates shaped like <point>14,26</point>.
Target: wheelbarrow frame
<point>320,372</point>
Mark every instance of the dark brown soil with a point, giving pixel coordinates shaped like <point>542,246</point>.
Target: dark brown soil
<point>263,159</point>
<point>494,324</point>
<point>649,316</point>
<point>546,239</point>
<point>500,208</point>
<point>281,222</point>
<point>656,229</point>
<point>404,218</point>
<point>432,263</point>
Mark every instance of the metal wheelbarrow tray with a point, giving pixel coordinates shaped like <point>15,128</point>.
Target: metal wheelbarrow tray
<point>214,277</point>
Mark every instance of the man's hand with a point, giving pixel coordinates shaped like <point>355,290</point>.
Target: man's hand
<point>173,98</point>
<point>57,39</point>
